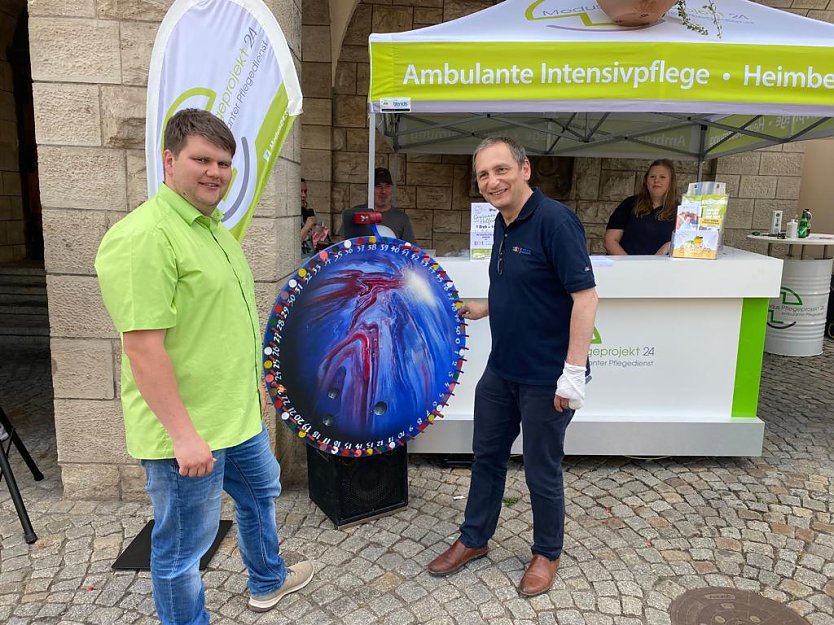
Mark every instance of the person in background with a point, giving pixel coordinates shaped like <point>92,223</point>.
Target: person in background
<point>181,294</point>
<point>541,304</point>
<point>314,235</point>
<point>643,224</point>
<point>392,217</point>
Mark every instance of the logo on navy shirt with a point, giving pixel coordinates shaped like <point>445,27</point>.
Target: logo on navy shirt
<point>524,251</point>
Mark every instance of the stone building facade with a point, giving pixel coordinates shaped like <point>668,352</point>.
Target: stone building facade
<point>89,64</point>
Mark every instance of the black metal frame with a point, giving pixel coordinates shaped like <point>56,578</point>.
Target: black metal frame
<point>6,470</point>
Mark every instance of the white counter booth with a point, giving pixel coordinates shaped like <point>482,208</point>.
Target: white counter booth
<point>677,354</point>
<point>675,360</point>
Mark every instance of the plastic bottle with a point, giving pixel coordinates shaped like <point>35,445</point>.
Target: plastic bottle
<point>804,224</point>
<point>776,222</point>
<point>792,229</point>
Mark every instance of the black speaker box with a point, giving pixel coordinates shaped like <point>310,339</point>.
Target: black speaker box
<point>351,490</point>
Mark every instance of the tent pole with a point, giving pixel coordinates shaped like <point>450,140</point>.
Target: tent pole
<point>394,161</point>
<point>371,157</point>
<point>394,167</point>
<point>702,142</point>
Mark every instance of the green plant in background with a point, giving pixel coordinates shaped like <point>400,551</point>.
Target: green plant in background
<point>709,7</point>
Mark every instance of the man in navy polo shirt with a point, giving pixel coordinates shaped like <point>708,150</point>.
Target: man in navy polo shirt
<point>542,303</point>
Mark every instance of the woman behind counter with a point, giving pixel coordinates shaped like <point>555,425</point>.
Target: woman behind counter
<point>643,223</point>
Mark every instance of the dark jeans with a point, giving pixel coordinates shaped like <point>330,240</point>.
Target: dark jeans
<point>501,408</point>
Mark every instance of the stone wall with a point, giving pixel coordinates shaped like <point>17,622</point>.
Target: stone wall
<point>12,227</point>
<point>90,120</point>
<point>822,10</point>
<point>435,190</point>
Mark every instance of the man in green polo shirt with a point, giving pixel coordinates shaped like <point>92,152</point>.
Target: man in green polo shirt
<point>180,292</point>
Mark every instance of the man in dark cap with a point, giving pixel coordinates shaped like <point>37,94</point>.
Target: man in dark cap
<point>392,217</point>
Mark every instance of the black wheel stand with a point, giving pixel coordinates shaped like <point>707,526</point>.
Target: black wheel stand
<point>6,470</point>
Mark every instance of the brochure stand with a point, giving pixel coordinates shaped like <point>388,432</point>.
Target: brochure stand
<point>700,221</point>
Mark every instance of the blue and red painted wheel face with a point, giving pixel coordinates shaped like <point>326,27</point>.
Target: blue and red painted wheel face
<point>364,346</point>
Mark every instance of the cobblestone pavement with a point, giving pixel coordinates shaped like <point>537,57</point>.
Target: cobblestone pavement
<point>639,533</point>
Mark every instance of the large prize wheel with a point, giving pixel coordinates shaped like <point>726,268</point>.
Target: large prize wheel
<point>364,346</point>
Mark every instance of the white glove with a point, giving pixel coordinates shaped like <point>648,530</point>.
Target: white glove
<point>571,385</point>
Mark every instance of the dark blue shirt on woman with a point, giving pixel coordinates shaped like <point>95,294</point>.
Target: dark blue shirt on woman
<point>641,235</point>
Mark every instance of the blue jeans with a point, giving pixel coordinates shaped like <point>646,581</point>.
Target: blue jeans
<point>186,518</point>
<point>501,409</point>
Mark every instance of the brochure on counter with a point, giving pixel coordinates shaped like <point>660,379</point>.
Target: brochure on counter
<point>699,226</point>
<point>480,230</point>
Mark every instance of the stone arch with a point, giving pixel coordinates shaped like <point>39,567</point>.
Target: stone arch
<point>21,234</point>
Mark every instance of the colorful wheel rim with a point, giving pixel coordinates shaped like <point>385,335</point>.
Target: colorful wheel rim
<point>364,346</point>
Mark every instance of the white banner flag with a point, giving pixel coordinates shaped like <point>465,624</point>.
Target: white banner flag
<point>231,58</point>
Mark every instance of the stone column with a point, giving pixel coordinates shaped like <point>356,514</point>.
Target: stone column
<point>90,120</point>
<point>83,182</point>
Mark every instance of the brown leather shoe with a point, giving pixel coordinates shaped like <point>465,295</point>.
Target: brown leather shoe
<point>454,558</point>
<point>539,576</point>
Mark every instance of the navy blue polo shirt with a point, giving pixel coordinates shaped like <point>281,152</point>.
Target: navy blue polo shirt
<point>543,259</point>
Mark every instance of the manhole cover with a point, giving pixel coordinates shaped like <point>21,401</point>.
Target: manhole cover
<point>727,606</point>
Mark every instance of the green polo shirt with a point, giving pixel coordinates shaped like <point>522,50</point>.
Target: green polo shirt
<point>168,266</point>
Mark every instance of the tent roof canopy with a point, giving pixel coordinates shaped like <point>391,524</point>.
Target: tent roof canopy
<point>562,80</point>
<point>680,136</point>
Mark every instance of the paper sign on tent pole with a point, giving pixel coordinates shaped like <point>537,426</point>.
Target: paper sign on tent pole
<point>231,58</point>
<point>481,229</point>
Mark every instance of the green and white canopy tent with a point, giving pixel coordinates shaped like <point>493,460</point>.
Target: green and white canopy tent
<point>563,80</point>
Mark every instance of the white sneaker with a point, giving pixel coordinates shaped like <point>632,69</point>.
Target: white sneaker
<point>298,576</point>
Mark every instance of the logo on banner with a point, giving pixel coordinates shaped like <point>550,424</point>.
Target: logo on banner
<point>246,77</point>
<point>589,17</point>
<point>790,309</point>
<point>625,356</point>
<point>584,17</point>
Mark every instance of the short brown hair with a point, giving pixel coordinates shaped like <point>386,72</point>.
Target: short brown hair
<point>189,122</point>
<point>516,149</point>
